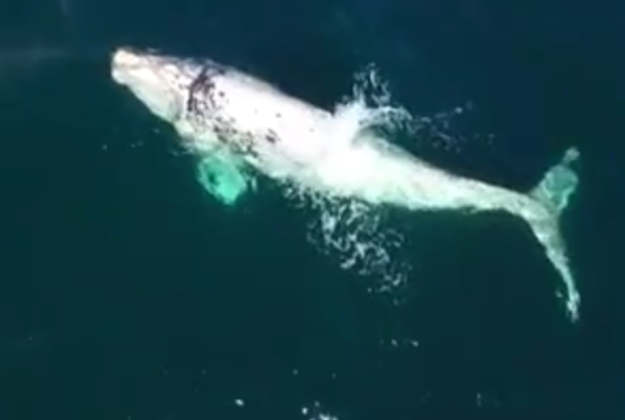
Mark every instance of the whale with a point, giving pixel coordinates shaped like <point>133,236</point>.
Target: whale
<point>218,110</point>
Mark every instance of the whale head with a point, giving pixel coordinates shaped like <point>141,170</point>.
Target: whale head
<point>161,82</point>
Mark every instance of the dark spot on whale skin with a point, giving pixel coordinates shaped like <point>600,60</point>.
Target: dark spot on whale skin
<point>202,92</point>
<point>272,137</point>
<point>247,138</point>
<point>220,131</point>
<point>244,143</point>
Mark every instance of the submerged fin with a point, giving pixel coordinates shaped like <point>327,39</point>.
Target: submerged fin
<point>552,195</point>
<point>559,183</point>
<point>223,177</point>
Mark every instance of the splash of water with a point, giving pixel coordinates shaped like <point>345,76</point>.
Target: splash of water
<point>361,237</point>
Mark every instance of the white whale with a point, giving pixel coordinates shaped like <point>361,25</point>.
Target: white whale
<point>219,110</point>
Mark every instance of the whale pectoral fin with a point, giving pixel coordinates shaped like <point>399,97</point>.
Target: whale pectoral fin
<point>223,177</point>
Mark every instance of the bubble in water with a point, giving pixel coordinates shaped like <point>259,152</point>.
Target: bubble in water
<point>357,236</point>
<point>315,412</point>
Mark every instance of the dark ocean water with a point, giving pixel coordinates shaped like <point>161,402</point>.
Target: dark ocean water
<point>127,293</point>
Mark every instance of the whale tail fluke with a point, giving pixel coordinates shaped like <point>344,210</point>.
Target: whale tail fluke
<point>552,195</point>
<point>559,183</point>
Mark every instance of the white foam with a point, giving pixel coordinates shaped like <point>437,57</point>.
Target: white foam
<point>356,233</point>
